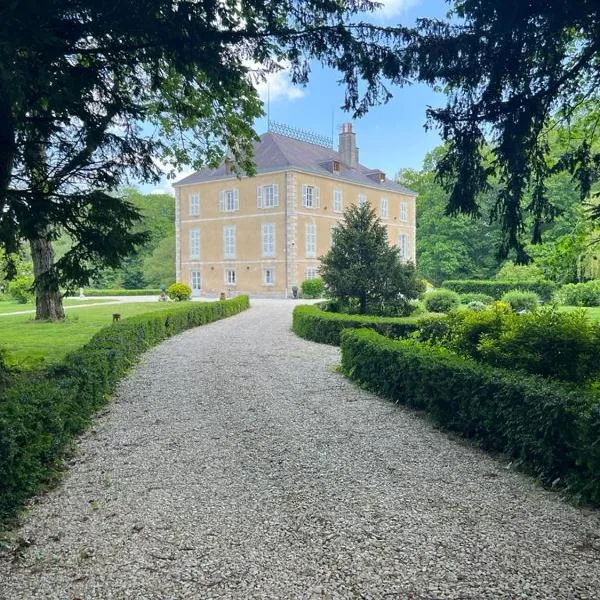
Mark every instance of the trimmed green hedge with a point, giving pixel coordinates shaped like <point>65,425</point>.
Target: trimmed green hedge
<point>544,289</point>
<point>550,429</point>
<point>120,292</point>
<point>41,412</point>
<point>313,323</point>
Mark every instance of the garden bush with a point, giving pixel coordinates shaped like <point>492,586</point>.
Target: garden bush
<point>547,427</point>
<point>121,292</point>
<point>179,292</point>
<point>580,294</point>
<point>42,410</point>
<point>313,288</point>
<point>313,323</point>
<point>544,289</point>
<point>441,301</point>
<point>20,289</point>
<point>483,298</point>
<point>476,305</point>
<point>519,300</point>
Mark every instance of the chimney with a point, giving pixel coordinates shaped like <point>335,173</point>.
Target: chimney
<point>347,145</point>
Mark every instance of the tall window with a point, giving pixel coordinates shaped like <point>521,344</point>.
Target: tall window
<point>230,277</point>
<point>311,273</point>
<point>403,247</point>
<point>194,205</point>
<point>229,200</point>
<point>267,196</point>
<point>384,208</point>
<point>194,243</point>
<point>362,199</point>
<point>268,239</point>
<point>269,276</point>
<point>195,276</point>
<point>404,211</point>
<point>311,239</point>
<point>310,196</point>
<point>338,202</point>
<point>229,241</point>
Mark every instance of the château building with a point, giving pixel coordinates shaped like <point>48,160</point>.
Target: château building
<point>262,235</point>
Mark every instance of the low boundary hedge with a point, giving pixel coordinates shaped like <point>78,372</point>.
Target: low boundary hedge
<point>40,412</point>
<point>544,289</point>
<point>313,323</point>
<point>550,429</point>
<point>120,292</point>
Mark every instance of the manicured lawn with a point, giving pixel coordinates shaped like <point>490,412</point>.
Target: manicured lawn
<point>592,311</point>
<point>30,344</point>
<point>10,306</point>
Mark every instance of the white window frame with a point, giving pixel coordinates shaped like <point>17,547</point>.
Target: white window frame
<point>338,201</point>
<point>403,247</point>
<point>268,239</point>
<point>229,241</point>
<point>384,207</point>
<point>311,240</point>
<point>229,200</point>
<point>230,277</point>
<point>267,196</point>
<point>312,273</point>
<point>311,196</point>
<point>195,281</point>
<point>194,243</point>
<point>194,200</point>
<point>404,211</point>
<point>362,199</point>
<point>269,280</point>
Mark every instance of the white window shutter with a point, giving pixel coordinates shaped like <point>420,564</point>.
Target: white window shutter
<point>259,197</point>
<point>222,201</point>
<point>276,194</point>
<point>304,195</point>
<point>236,195</point>
<point>317,197</point>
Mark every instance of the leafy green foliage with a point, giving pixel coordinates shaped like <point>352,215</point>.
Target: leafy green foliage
<point>475,297</point>
<point>547,427</point>
<point>41,411</point>
<point>313,323</point>
<point>20,289</point>
<point>580,294</point>
<point>519,300</point>
<point>509,271</point>
<point>120,292</point>
<point>441,300</point>
<point>363,272</point>
<point>544,289</point>
<point>313,288</point>
<point>179,291</point>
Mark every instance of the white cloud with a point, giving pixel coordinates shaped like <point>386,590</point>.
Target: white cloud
<point>392,8</point>
<point>276,85</point>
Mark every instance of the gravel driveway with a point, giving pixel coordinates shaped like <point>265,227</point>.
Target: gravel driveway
<point>236,463</point>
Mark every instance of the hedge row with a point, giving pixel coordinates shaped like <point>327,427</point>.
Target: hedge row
<point>120,292</point>
<point>313,323</point>
<point>544,289</point>
<point>550,429</point>
<point>41,412</point>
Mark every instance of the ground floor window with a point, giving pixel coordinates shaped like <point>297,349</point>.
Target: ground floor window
<point>230,276</point>
<point>311,273</point>
<point>269,276</point>
<point>195,280</point>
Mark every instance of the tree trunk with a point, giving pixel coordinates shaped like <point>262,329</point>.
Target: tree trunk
<point>48,301</point>
<point>363,304</point>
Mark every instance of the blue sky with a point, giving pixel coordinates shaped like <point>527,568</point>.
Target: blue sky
<point>391,136</point>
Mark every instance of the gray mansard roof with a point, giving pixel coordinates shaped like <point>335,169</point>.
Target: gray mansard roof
<point>275,152</point>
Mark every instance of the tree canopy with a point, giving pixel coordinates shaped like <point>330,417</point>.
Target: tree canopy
<point>512,70</point>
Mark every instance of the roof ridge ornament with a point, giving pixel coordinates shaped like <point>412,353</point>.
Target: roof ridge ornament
<point>302,135</point>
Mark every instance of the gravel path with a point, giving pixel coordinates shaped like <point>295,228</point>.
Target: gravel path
<point>236,463</point>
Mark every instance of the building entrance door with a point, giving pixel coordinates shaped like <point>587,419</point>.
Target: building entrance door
<point>195,277</point>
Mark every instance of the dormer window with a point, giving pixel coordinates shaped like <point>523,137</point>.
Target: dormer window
<point>335,166</point>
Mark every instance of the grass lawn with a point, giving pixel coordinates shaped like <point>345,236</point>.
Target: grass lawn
<point>7,306</point>
<point>592,311</point>
<point>31,344</point>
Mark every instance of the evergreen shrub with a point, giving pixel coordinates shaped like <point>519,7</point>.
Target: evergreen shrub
<point>41,411</point>
<point>313,288</point>
<point>474,297</point>
<point>580,294</point>
<point>441,300</point>
<point>549,428</point>
<point>519,300</point>
<point>544,289</point>
<point>179,292</point>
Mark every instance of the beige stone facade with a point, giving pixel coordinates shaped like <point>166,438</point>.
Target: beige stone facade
<point>263,235</point>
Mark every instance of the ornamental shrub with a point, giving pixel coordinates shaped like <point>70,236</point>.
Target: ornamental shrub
<point>313,288</point>
<point>179,292</point>
<point>441,300</point>
<point>476,305</point>
<point>519,300</point>
<point>473,297</point>
<point>544,289</point>
<point>549,428</point>
<point>580,294</point>
<point>20,289</point>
